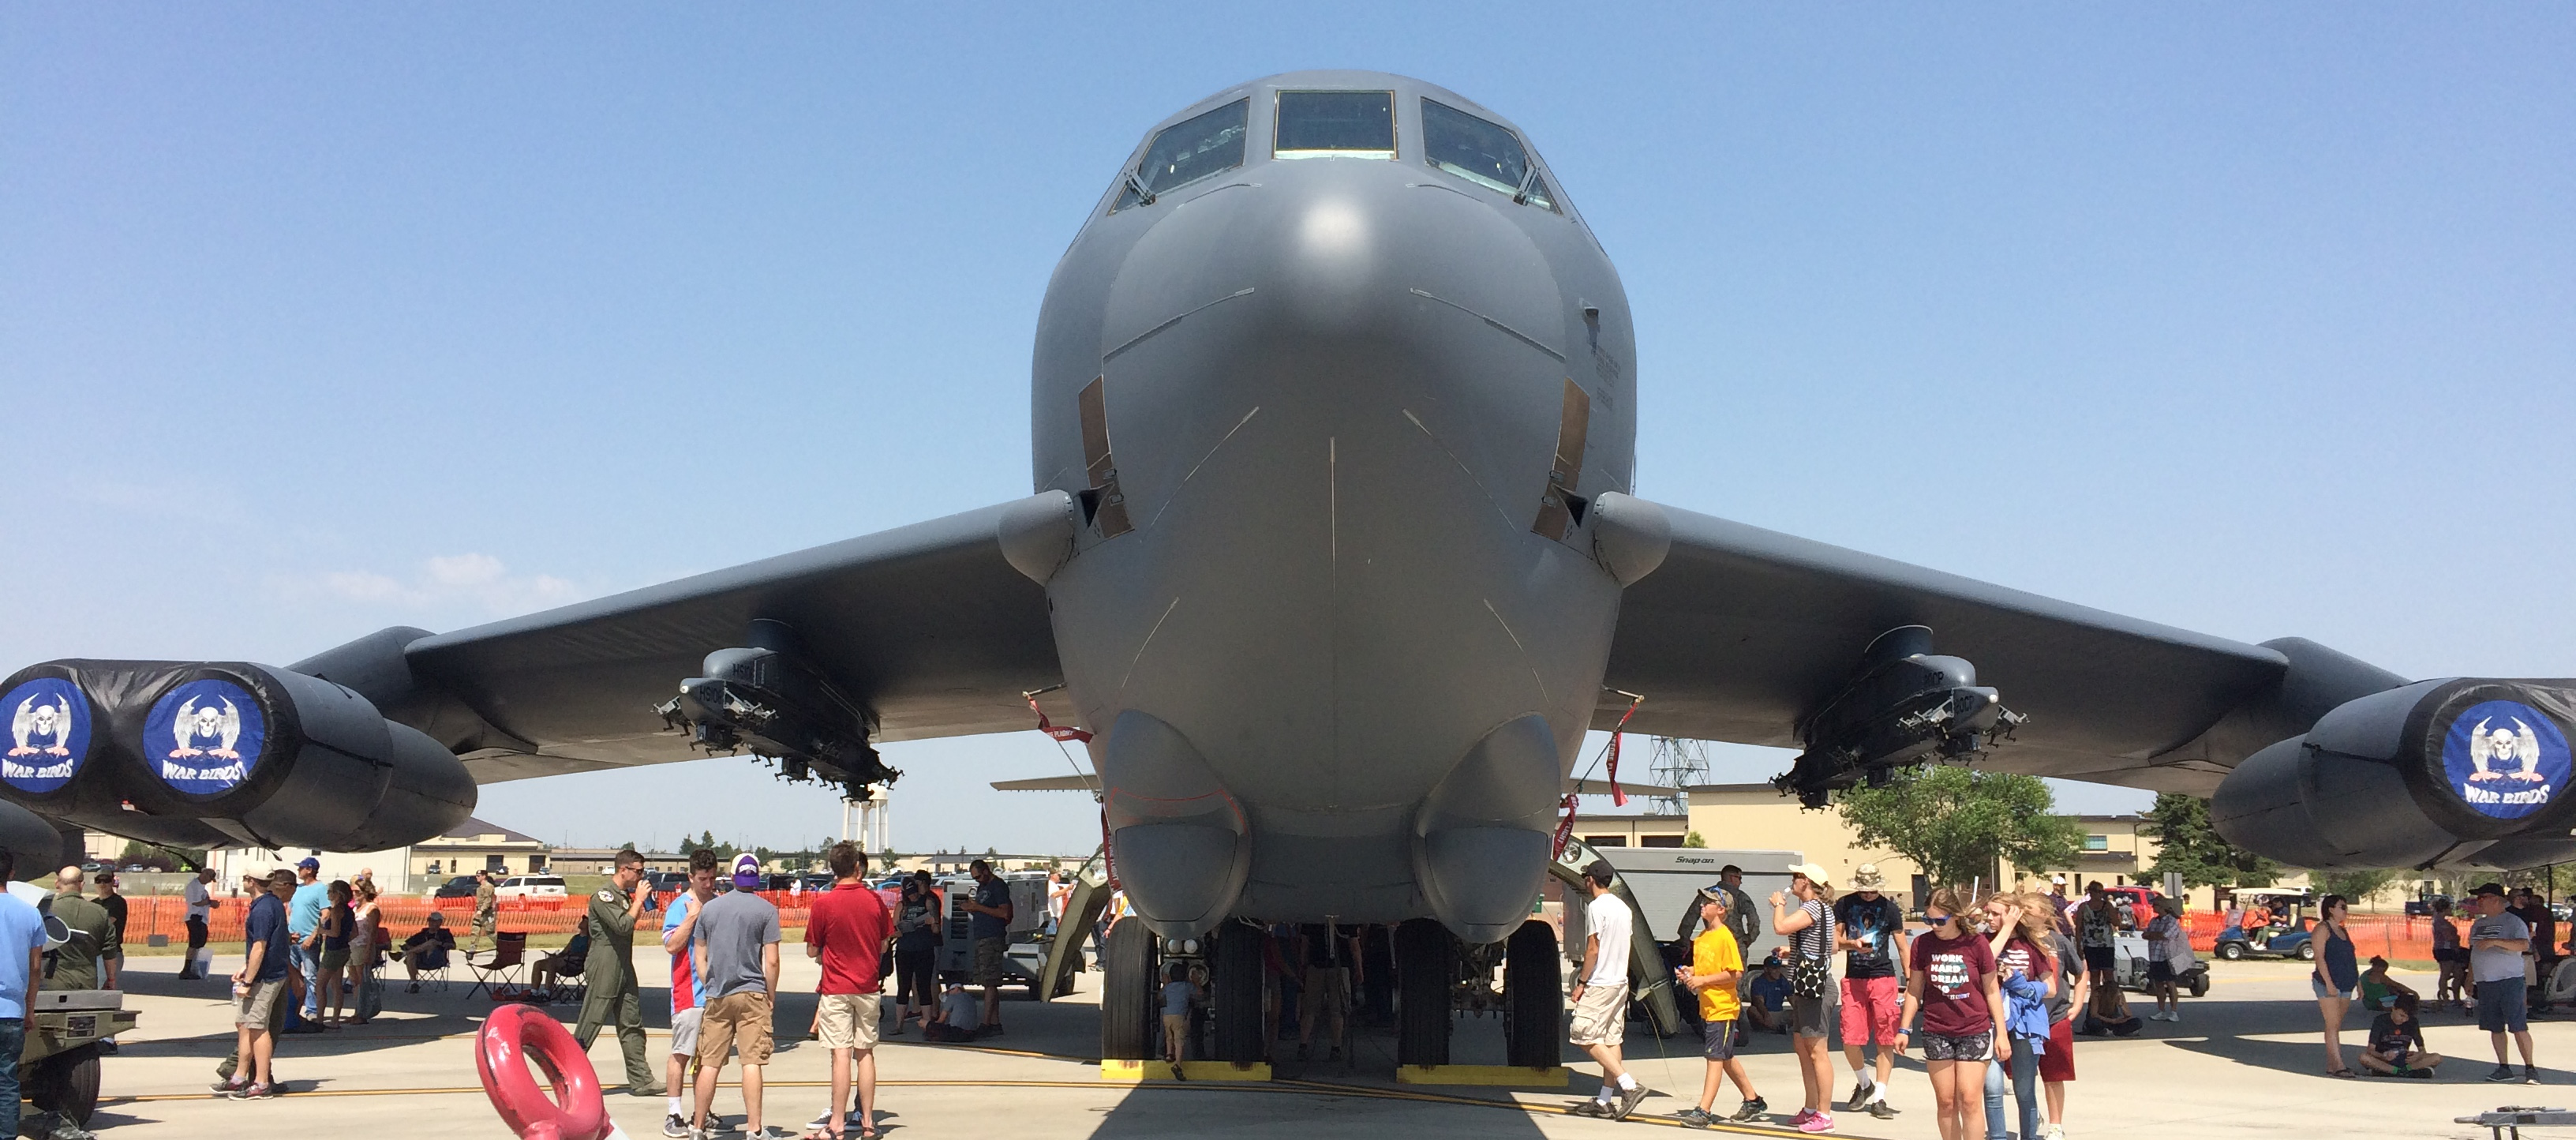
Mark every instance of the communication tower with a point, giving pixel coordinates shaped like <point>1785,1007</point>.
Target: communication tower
<point>1676,764</point>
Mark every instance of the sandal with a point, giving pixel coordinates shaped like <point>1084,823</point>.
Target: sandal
<point>2345,1073</point>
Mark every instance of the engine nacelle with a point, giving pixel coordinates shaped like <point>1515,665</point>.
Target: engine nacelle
<point>223,753</point>
<point>2461,772</point>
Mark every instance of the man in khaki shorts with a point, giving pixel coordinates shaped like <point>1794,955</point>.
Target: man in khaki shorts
<point>260,1007</point>
<point>736,950</point>
<point>847,932</point>
<point>1601,994</point>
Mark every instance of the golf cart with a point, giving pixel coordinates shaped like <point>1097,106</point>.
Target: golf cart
<point>2129,966</point>
<point>2286,936</point>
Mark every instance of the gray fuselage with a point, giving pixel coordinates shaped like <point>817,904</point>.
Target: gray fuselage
<point>1332,390</point>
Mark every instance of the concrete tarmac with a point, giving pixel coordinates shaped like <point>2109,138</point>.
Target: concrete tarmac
<point>2248,1056</point>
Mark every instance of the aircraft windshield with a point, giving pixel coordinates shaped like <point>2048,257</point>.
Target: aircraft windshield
<point>1187,151</point>
<point>1481,152</point>
<point>1341,124</point>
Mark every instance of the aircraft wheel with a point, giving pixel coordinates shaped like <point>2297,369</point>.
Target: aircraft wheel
<point>67,1083</point>
<point>1426,970</point>
<point>1235,978</point>
<point>1127,993</point>
<point>1533,992</point>
<point>2232,951</point>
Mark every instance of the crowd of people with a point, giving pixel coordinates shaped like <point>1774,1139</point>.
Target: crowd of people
<point>1988,993</point>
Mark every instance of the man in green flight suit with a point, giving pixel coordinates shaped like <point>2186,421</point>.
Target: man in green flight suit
<point>75,964</point>
<point>610,971</point>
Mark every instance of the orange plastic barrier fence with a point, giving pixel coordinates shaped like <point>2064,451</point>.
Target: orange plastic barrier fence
<point>2394,937</point>
<point>147,915</point>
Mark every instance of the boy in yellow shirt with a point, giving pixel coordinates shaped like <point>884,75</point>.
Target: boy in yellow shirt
<point>1717,964</point>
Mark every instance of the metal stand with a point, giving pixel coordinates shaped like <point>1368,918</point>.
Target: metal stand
<point>2509,1120</point>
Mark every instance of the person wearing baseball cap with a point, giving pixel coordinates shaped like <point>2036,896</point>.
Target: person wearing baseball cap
<point>1810,929</point>
<point>1601,994</point>
<point>304,930</point>
<point>736,948</point>
<point>2497,940</point>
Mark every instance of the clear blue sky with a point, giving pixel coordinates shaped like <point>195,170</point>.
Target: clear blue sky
<point>318,320</point>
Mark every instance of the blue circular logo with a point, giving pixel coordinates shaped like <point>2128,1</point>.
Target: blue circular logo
<point>204,736</point>
<point>2505,759</point>
<point>48,734</point>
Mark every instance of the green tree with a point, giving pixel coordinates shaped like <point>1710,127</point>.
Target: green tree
<point>1956,822</point>
<point>1694,839</point>
<point>2354,886</point>
<point>2186,844</point>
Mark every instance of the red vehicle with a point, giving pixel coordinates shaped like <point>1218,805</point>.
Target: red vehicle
<point>2141,902</point>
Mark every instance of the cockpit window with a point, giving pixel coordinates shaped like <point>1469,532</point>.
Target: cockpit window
<point>1187,151</point>
<point>1341,124</point>
<point>1482,152</point>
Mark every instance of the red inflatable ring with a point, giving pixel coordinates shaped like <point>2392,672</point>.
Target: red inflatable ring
<point>513,1037</point>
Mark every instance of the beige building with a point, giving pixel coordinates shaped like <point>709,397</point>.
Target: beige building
<point>476,845</point>
<point>1632,829</point>
<point>1758,817</point>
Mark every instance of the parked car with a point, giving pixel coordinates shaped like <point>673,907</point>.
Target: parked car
<point>671,881</point>
<point>532,888</point>
<point>135,868</point>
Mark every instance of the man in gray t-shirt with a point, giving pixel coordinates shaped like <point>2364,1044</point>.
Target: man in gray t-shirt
<point>736,955</point>
<point>2497,941</point>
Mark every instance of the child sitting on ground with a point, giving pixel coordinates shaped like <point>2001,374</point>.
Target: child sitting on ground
<point>959,1014</point>
<point>2378,990</point>
<point>2397,1043</point>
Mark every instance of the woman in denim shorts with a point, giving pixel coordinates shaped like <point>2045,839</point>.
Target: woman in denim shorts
<point>2336,976</point>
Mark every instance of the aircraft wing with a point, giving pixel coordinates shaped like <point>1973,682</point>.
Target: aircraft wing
<point>1743,632</point>
<point>927,626</point>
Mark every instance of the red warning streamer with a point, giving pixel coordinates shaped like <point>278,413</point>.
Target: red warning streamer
<point>1618,797</point>
<point>1068,732</point>
<point>1565,826</point>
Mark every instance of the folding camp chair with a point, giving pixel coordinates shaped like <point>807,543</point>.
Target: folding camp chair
<point>506,958</point>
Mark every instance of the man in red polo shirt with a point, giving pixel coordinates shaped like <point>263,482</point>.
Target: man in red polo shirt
<point>847,928</point>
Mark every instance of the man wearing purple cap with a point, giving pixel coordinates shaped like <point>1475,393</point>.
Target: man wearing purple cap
<point>736,955</point>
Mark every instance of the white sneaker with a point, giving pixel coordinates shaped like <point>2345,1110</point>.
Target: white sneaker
<point>2053,1132</point>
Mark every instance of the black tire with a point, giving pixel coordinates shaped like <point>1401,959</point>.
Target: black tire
<point>2308,951</point>
<point>2231,951</point>
<point>2200,983</point>
<point>1426,968</point>
<point>1534,992</point>
<point>1127,993</point>
<point>67,1082</point>
<point>1235,977</point>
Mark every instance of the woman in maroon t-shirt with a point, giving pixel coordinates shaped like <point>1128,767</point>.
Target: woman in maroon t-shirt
<point>1950,984</point>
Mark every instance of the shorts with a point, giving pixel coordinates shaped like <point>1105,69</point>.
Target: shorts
<point>1969,1047</point>
<point>684,1032</point>
<point>988,961</point>
<point>849,1021</point>
<point>2159,972</point>
<point>1717,1040</point>
<point>2500,1006</point>
<point>1811,1016</point>
<point>2099,959</point>
<point>2453,956</point>
<point>1870,1009</point>
<point>737,1022</point>
<point>2317,986</point>
<point>2058,1063</point>
<point>1600,1015</point>
<point>335,959</point>
<point>262,1006</point>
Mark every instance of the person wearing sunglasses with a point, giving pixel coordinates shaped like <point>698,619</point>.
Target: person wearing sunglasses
<point>1950,987</point>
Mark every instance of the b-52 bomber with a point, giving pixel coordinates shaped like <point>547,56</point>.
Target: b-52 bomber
<point>1332,547</point>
